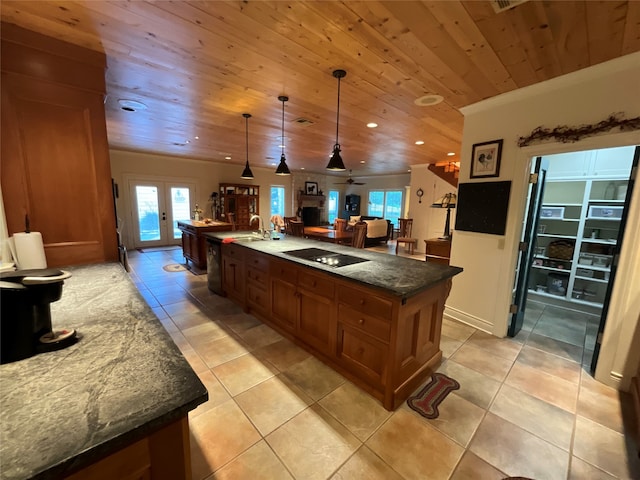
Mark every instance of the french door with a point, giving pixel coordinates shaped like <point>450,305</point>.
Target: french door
<point>156,208</point>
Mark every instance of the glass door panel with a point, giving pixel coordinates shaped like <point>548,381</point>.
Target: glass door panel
<point>148,213</point>
<point>157,207</point>
<point>180,209</point>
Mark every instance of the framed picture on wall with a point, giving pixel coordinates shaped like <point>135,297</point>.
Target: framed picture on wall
<point>485,159</point>
<point>311,188</point>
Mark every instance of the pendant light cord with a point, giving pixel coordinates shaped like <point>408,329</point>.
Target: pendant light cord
<point>338,112</point>
<point>283,125</point>
<point>246,129</point>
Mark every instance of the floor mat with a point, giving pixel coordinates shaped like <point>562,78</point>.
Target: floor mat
<point>426,401</point>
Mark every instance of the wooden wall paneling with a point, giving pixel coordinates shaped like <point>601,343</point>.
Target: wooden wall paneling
<point>53,117</point>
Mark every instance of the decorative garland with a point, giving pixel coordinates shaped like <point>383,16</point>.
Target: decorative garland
<point>567,134</point>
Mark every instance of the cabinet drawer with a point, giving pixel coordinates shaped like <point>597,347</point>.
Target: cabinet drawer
<point>438,249</point>
<point>365,356</point>
<point>324,287</point>
<point>233,251</point>
<point>258,276</point>
<point>285,271</point>
<point>259,262</point>
<point>365,302</point>
<point>258,296</point>
<point>380,329</point>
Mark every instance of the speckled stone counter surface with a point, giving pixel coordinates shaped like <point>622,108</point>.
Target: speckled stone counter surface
<point>124,379</point>
<point>399,276</point>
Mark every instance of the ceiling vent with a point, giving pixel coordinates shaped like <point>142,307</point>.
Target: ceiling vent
<point>503,5</point>
<point>305,122</point>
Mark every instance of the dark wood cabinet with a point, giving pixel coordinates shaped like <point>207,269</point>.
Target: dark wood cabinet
<point>242,201</point>
<point>284,303</point>
<point>194,245</point>
<point>55,156</point>
<point>438,250</point>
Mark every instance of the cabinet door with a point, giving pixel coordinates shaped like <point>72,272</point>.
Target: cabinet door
<point>55,169</point>
<point>362,354</point>
<point>186,245</point>
<point>569,165</point>
<point>284,303</point>
<point>233,277</point>
<point>284,297</point>
<point>613,162</point>
<point>316,321</point>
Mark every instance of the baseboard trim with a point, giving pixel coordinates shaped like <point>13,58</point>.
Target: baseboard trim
<point>475,322</point>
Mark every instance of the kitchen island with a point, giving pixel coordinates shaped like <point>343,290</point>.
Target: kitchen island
<point>114,405</point>
<point>375,318</point>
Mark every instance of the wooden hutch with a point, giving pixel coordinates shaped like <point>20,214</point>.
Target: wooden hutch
<point>241,200</point>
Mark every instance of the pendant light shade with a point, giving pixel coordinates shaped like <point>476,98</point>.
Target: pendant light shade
<point>336,163</point>
<point>247,173</point>
<point>282,168</point>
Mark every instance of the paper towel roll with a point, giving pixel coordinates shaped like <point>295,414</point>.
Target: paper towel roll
<point>29,250</point>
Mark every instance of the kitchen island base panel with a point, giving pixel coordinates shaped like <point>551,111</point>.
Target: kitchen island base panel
<point>163,455</point>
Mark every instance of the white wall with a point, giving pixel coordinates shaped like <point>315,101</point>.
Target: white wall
<point>481,295</point>
<point>206,175</point>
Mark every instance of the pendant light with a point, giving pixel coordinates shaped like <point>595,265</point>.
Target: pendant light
<point>335,163</point>
<point>282,168</point>
<point>247,173</point>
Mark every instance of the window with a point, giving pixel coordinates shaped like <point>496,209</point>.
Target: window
<point>386,204</point>
<point>334,198</point>
<point>277,201</point>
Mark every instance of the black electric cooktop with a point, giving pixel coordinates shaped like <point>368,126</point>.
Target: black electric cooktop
<point>326,257</point>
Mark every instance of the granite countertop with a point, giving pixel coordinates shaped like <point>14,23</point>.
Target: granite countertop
<point>398,276</point>
<point>125,378</point>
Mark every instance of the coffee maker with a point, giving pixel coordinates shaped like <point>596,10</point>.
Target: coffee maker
<point>26,297</point>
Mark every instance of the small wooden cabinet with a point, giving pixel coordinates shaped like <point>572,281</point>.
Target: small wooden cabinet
<point>194,245</point>
<point>243,201</point>
<point>438,250</point>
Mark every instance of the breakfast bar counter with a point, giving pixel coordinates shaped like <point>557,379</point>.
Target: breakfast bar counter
<point>121,393</point>
<point>375,318</point>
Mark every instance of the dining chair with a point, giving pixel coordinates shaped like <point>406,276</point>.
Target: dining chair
<point>359,234</point>
<point>339,224</point>
<point>404,236</point>
<point>231,218</point>
<point>287,224</point>
<point>297,228</point>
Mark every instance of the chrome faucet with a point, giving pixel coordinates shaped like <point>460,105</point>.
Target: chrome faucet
<point>261,229</point>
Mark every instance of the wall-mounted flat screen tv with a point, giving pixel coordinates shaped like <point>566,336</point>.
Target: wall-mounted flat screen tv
<point>482,207</point>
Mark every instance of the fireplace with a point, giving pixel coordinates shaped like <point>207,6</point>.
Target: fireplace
<point>311,216</point>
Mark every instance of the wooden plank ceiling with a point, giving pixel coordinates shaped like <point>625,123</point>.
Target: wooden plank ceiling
<point>197,66</point>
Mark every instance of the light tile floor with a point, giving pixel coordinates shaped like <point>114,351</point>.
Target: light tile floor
<point>526,407</point>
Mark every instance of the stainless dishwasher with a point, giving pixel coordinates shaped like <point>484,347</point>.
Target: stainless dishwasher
<point>214,266</point>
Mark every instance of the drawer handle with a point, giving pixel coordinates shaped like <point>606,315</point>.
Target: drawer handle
<point>361,321</point>
<point>360,351</point>
<point>362,301</point>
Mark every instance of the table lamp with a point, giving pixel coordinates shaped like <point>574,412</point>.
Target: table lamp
<point>448,201</point>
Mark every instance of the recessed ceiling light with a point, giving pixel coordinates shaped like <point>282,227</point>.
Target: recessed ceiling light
<point>409,170</point>
<point>428,100</point>
<point>362,161</point>
<point>420,142</point>
<point>131,105</point>
<point>450,154</point>
<point>372,125</point>
<point>197,137</point>
<point>273,164</point>
<point>301,168</point>
<point>227,158</point>
<point>187,141</point>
